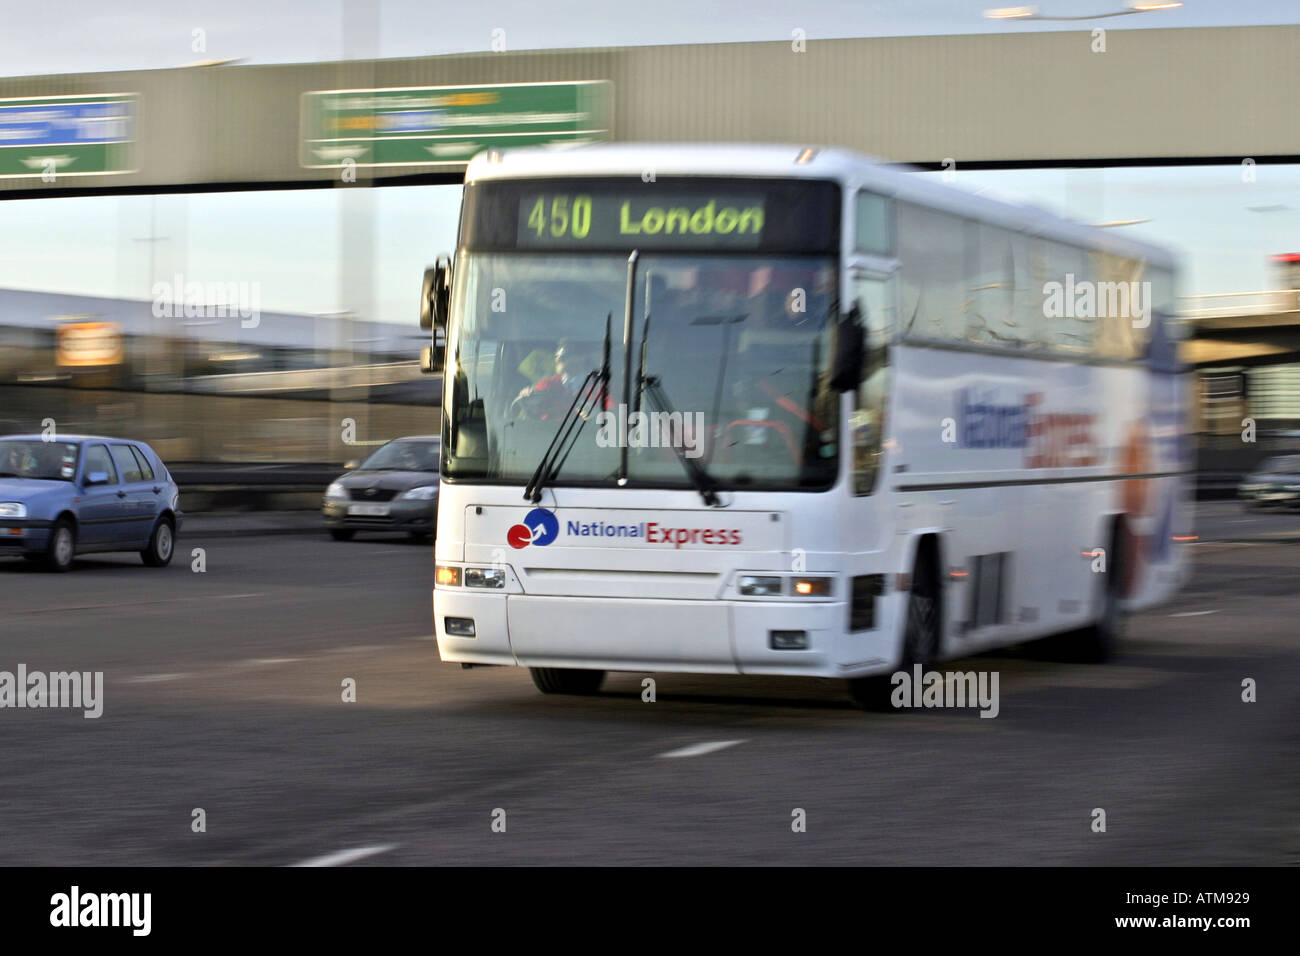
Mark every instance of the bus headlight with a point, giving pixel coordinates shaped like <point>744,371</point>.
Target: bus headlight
<point>485,578</point>
<point>447,575</point>
<point>759,585</point>
<point>13,509</point>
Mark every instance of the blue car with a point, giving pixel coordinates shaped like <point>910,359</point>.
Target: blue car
<point>78,494</point>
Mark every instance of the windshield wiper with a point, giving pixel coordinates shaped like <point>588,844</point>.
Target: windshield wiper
<point>9,474</point>
<point>649,386</point>
<point>593,390</point>
<point>704,482</point>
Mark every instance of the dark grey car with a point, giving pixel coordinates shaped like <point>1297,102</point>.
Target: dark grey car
<point>395,489</point>
<point>1274,484</point>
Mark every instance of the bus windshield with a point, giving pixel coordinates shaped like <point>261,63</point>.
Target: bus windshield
<point>736,348</point>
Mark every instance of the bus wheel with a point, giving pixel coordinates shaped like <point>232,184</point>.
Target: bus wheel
<point>920,637</point>
<point>1097,642</point>
<point>562,680</point>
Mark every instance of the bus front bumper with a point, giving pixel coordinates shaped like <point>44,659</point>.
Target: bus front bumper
<point>622,634</point>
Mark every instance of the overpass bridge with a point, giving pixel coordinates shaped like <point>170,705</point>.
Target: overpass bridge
<point>1039,99</point>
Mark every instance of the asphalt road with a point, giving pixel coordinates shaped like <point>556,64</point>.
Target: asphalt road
<point>223,692</point>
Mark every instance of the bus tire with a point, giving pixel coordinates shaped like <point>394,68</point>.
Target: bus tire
<point>1097,642</point>
<point>921,635</point>
<point>563,680</point>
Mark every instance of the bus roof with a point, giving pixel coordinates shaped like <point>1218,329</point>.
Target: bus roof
<point>846,167</point>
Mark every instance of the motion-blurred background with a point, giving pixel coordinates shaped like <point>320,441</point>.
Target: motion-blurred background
<point>195,251</point>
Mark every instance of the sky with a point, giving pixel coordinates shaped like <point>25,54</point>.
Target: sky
<point>292,243</point>
<point>64,36</point>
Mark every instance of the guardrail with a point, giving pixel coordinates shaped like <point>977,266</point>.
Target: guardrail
<point>1228,304</point>
<point>292,487</point>
<point>299,487</point>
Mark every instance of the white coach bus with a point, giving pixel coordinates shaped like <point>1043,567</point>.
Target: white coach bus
<point>771,410</point>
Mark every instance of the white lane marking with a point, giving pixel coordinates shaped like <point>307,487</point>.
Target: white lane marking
<point>344,857</point>
<point>154,678</point>
<point>699,750</point>
<point>259,662</point>
<point>1193,613</point>
<point>103,607</point>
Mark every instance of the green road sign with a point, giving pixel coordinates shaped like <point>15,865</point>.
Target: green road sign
<point>447,125</point>
<point>49,137</point>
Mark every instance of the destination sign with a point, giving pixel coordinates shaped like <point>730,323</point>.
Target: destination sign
<point>565,219</point>
<point>688,213</point>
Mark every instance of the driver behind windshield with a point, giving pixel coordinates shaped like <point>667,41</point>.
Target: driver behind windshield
<point>554,394</point>
<point>19,461</point>
<point>406,458</point>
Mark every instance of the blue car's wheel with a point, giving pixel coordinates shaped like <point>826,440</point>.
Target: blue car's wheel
<point>161,545</point>
<point>62,548</point>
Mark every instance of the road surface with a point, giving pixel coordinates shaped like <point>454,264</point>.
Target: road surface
<point>223,693</point>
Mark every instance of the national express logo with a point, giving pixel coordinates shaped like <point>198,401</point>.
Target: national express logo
<point>540,527</point>
<point>1049,439</point>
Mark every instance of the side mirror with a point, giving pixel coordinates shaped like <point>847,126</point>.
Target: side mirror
<point>97,478</point>
<point>352,465</point>
<point>435,294</point>
<point>848,352</point>
<point>433,356</point>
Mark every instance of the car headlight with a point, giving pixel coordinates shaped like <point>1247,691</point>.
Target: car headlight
<point>13,509</point>
<point>423,493</point>
<point>336,490</point>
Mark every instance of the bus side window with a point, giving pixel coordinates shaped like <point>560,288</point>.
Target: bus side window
<point>875,297</point>
<point>932,254</point>
<point>1065,327</point>
<point>875,224</point>
<point>1164,304</point>
<point>1121,332</point>
<point>1000,302</point>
